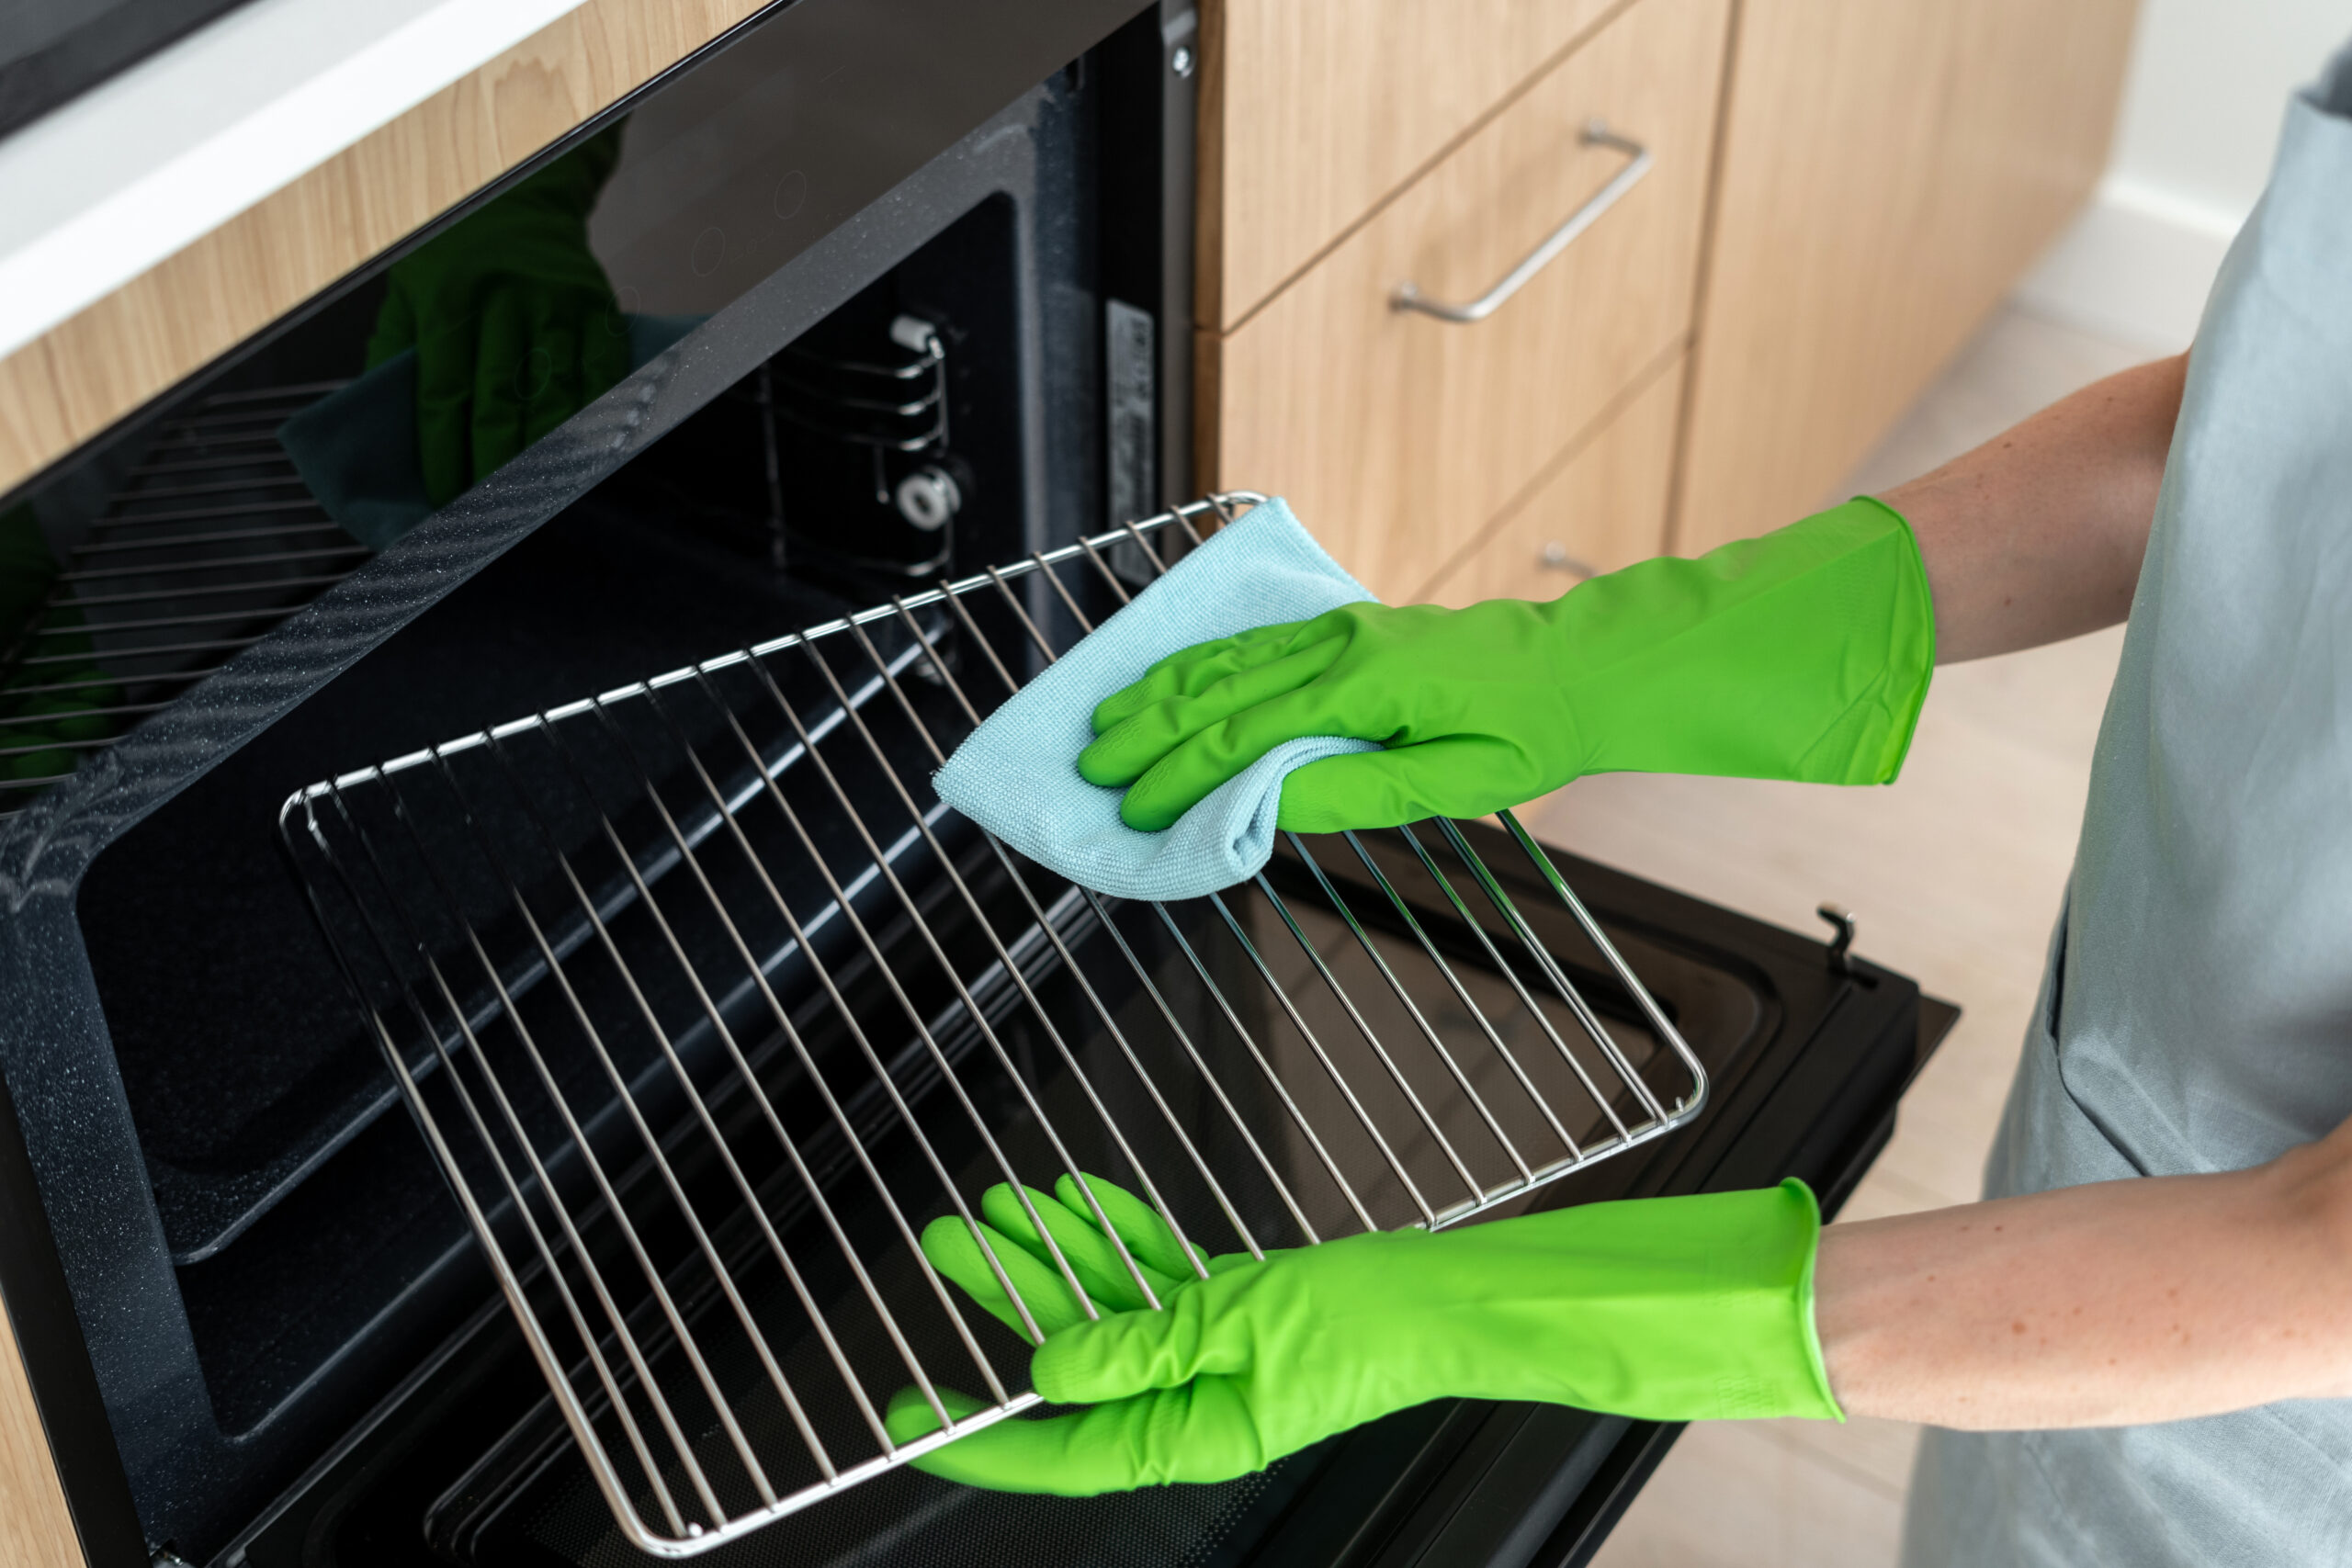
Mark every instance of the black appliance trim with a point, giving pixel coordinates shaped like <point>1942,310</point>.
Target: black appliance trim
<point>1149,152</point>
<point>57,1364</point>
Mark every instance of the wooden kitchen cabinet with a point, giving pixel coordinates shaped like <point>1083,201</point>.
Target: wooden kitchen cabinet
<point>36,1527</point>
<point>1599,506</point>
<point>1890,167</point>
<point>1399,436</point>
<point>1866,180</point>
<point>1329,109</point>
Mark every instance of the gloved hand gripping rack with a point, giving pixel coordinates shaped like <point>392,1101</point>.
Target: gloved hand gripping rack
<point>707,1005</point>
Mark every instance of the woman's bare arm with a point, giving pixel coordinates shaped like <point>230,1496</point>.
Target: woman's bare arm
<point>2120,1301</point>
<point>2116,1302</point>
<point>2036,536</point>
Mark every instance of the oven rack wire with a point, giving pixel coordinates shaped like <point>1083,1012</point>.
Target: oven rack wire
<point>706,1005</point>
<point>207,542</point>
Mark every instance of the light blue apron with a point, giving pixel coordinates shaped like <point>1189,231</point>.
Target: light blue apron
<point>2197,1012</point>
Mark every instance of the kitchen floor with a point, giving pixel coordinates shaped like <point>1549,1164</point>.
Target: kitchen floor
<point>1954,873</point>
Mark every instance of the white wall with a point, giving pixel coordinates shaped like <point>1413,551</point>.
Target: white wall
<point>2207,85</point>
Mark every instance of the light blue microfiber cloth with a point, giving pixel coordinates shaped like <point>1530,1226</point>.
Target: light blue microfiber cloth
<point>1017,774</point>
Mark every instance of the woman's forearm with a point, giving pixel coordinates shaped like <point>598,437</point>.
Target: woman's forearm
<point>2036,536</point>
<point>2122,1302</point>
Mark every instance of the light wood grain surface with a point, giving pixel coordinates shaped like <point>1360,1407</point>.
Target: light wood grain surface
<point>1889,169</point>
<point>36,1529</point>
<point>1599,504</point>
<point>1398,437</point>
<point>1313,111</point>
<point>64,387</point>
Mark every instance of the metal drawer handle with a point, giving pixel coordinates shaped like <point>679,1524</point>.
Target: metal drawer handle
<point>1555,557</point>
<point>1596,134</point>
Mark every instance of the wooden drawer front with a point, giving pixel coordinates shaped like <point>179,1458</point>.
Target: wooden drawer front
<point>1891,168</point>
<point>1601,505</point>
<point>1397,435</point>
<point>1319,108</point>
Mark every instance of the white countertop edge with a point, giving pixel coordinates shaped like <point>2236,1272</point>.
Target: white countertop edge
<point>100,190</point>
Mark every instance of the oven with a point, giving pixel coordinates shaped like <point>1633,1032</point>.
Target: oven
<point>910,297</point>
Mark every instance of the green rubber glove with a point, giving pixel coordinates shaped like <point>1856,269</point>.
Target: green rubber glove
<point>514,322</point>
<point>1802,655</point>
<point>1666,1309</point>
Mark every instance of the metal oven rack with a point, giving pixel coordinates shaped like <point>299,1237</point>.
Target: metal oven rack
<point>209,541</point>
<point>707,1005</point>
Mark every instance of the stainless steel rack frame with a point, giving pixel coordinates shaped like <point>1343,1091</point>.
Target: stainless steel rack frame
<point>706,1005</point>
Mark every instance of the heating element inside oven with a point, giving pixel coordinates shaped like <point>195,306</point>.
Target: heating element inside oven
<point>706,1006</point>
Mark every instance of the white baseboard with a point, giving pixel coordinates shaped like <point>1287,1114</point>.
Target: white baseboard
<point>2135,266</point>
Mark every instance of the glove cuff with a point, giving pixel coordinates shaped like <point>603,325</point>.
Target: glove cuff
<point>1803,655</point>
<point>1911,638</point>
<point>1703,1305</point>
<point>1760,1295</point>
<point>1808,1328</point>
